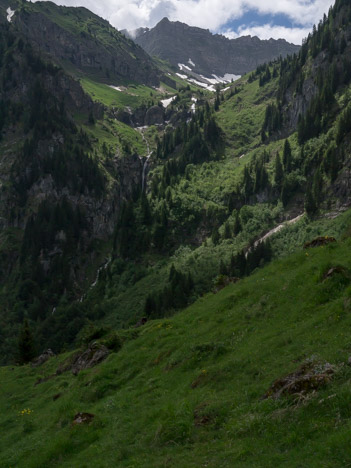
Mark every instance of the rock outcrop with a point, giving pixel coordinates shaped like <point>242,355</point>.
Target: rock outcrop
<point>83,418</point>
<point>90,357</point>
<point>45,356</point>
<point>154,116</point>
<point>309,377</point>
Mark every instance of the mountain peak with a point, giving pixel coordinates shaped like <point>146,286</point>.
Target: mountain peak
<point>211,53</point>
<point>164,20</point>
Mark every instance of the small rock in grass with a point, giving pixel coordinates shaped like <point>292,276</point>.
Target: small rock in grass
<point>83,418</point>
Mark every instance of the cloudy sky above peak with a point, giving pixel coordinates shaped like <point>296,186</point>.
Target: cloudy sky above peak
<point>288,19</point>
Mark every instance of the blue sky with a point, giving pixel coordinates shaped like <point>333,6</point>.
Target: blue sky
<point>288,19</point>
<point>253,18</point>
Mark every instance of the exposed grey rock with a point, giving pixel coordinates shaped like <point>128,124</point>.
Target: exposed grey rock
<point>299,103</point>
<point>211,53</point>
<point>129,173</point>
<point>83,418</point>
<point>310,376</point>
<point>92,356</point>
<point>45,356</point>
<point>155,115</point>
<point>124,116</point>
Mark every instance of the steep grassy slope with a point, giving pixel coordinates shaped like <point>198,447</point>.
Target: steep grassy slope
<point>187,391</point>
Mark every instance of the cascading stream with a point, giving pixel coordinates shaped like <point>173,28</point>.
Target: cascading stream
<point>149,153</point>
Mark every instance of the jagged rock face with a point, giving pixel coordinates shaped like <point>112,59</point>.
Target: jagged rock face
<point>129,169</point>
<point>212,54</point>
<point>154,116</point>
<point>66,88</point>
<point>299,103</point>
<point>118,59</point>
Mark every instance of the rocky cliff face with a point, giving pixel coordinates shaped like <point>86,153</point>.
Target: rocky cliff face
<point>55,189</point>
<point>210,54</point>
<point>77,39</point>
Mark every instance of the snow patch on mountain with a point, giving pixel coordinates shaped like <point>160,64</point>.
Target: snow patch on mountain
<point>182,67</point>
<point>166,102</point>
<point>207,86</point>
<point>116,88</point>
<point>193,105</point>
<point>227,78</point>
<point>191,62</point>
<point>183,77</point>
<point>10,14</point>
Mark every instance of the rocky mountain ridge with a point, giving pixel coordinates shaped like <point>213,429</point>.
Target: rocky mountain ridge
<point>206,53</point>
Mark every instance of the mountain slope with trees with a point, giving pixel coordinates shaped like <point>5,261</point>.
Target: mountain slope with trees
<point>165,260</point>
<point>233,180</point>
<point>219,178</point>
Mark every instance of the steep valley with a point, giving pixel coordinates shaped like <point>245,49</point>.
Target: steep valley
<point>184,253</point>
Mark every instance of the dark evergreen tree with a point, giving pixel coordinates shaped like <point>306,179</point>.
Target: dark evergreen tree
<point>150,306</point>
<point>310,204</point>
<point>278,173</point>
<point>26,349</point>
<point>317,187</point>
<point>227,231</point>
<point>237,224</point>
<point>215,237</point>
<point>223,270</point>
<point>287,157</point>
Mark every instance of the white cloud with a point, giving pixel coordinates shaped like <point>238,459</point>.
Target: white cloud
<point>209,14</point>
<point>268,31</point>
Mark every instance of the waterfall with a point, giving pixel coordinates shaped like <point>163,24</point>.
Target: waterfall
<point>144,173</point>
<point>145,164</point>
<point>103,267</point>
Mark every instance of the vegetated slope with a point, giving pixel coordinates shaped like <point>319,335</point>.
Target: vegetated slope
<point>189,391</point>
<point>235,171</point>
<point>222,175</point>
<point>68,164</point>
<point>206,53</point>
<point>60,190</point>
<point>82,42</point>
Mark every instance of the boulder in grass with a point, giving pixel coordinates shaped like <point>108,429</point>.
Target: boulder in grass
<point>83,418</point>
<point>93,355</point>
<point>337,270</point>
<point>319,241</point>
<point>310,376</point>
<point>45,356</point>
